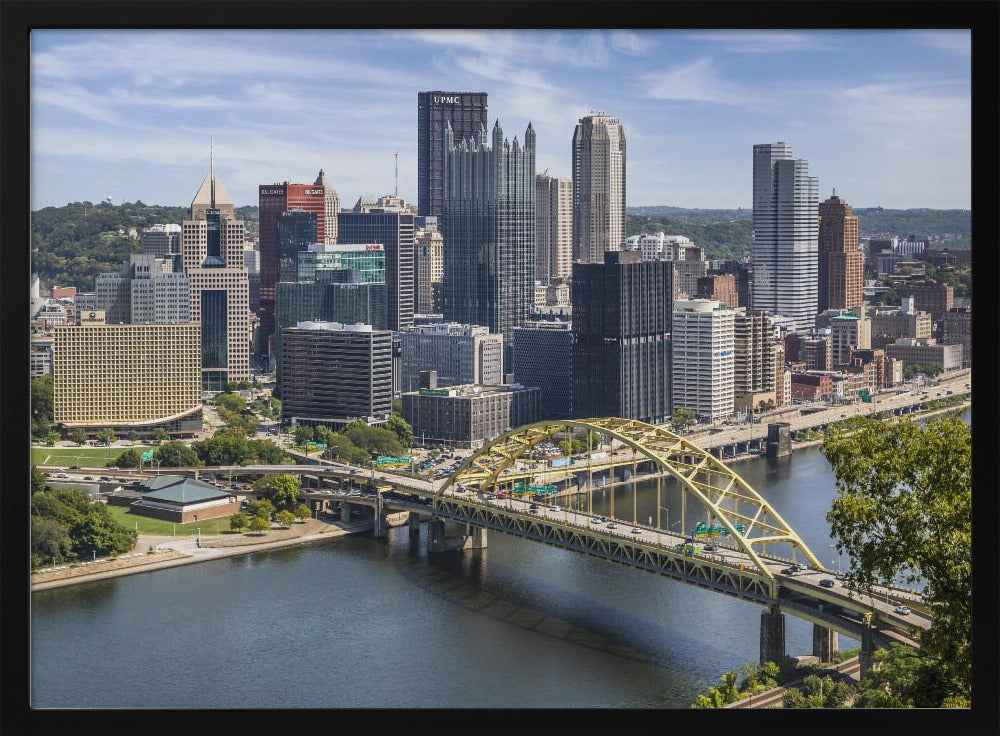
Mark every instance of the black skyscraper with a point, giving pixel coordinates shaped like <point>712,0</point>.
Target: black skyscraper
<point>296,232</point>
<point>621,337</point>
<point>466,111</point>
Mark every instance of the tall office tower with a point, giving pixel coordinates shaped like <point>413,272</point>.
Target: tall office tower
<point>296,232</point>
<point>145,291</point>
<point>212,256</point>
<point>393,228</point>
<point>466,113</point>
<point>754,377</point>
<point>113,296</point>
<point>331,208</point>
<point>841,262</point>
<point>543,357</point>
<point>489,231</point>
<point>126,377</point>
<point>598,187</point>
<point>460,354</point>
<point>361,264</point>
<point>703,360</point>
<point>336,373</point>
<point>785,227</point>
<point>621,337</point>
<point>251,260</point>
<point>428,271</point>
<point>553,228</point>
<point>162,241</point>
<point>274,199</point>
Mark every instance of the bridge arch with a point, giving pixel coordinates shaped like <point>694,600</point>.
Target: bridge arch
<point>733,501</point>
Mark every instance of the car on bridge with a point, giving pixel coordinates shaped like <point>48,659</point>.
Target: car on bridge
<point>826,583</point>
<point>902,610</point>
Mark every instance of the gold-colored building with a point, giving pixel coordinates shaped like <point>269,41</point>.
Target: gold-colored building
<point>127,376</point>
<point>841,262</point>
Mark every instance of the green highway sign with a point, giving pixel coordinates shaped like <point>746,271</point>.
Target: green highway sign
<point>147,456</point>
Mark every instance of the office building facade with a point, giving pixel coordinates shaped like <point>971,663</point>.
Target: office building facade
<point>466,113</point>
<point>785,226</point>
<point>849,332</point>
<point>296,231</point>
<point>460,354</point>
<point>391,227</point>
<point>553,228</point>
<point>621,337</point>
<point>841,262</point>
<point>428,272</point>
<point>956,329</point>
<point>127,377</point>
<point>754,366</point>
<point>365,261</point>
<point>598,153</point>
<point>489,230</point>
<point>334,374</point>
<point>703,360</point>
<point>542,356</point>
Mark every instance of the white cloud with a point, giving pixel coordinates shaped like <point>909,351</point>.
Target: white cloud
<point>698,81</point>
<point>631,43</point>
<point>763,42</point>
<point>958,43</point>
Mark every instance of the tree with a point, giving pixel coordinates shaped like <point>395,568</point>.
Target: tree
<point>302,512</point>
<point>263,508</point>
<point>228,446</point>
<point>681,418</point>
<point>237,522</point>
<point>78,436</point>
<point>41,405</point>
<point>374,439</point>
<point>401,428</point>
<point>233,402</point>
<point>133,436</point>
<point>268,453</point>
<point>904,507</point>
<point>933,369</point>
<point>160,435</point>
<point>130,458</point>
<point>340,447</point>
<point>52,437</point>
<point>323,434</point>
<point>286,518</point>
<point>37,480</point>
<point>106,436</point>
<point>177,455</point>
<point>50,541</point>
<point>282,490</point>
<point>303,434</point>
<point>259,524</point>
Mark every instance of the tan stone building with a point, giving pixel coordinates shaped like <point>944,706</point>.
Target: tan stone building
<point>127,377</point>
<point>553,228</point>
<point>841,262</point>
<point>428,257</point>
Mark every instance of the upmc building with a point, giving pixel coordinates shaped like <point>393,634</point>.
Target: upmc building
<point>275,199</point>
<point>467,112</point>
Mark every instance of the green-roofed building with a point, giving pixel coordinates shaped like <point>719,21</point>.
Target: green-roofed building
<point>181,499</point>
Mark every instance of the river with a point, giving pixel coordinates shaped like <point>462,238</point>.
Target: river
<point>357,622</point>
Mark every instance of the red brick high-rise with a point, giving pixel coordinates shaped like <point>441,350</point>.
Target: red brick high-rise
<point>274,199</point>
<point>841,262</point>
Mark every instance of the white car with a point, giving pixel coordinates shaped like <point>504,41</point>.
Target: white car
<point>902,610</point>
<point>556,508</point>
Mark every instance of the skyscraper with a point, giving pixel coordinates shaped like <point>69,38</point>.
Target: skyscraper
<point>785,226</point>
<point>296,232</point>
<point>466,113</point>
<point>598,187</point>
<point>553,228</point>
<point>393,228</point>
<point>489,231</point>
<point>621,337</point>
<point>703,361</point>
<point>841,262</point>
<point>212,256</point>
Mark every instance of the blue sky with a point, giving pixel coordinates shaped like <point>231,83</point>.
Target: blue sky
<point>885,117</point>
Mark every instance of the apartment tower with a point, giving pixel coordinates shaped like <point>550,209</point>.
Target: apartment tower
<point>598,187</point>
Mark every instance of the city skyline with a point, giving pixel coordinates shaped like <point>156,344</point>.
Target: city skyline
<point>883,116</point>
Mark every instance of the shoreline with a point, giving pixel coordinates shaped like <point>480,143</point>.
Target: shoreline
<point>193,553</point>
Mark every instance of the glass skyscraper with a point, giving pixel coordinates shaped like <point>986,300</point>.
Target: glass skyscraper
<point>488,226</point>
<point>785,235</point>
<point>466,112</point>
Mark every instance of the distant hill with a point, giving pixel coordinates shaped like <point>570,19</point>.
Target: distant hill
<point>71,245</point>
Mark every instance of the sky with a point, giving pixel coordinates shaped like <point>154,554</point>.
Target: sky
<point>884,117</point>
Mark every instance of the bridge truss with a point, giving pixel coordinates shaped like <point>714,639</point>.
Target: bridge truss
<point>750,520</point>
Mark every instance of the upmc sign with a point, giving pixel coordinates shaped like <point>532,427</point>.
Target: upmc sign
<point>447,99</point>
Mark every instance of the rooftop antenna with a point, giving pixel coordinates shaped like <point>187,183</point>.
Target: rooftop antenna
<point>211,157</point>
<point>396,156</point>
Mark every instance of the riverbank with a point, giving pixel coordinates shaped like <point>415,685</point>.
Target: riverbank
<point>176,551</point>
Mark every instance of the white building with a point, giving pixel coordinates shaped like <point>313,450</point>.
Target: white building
<point>702,365</point>
<point>786,235</point>
<point>662,247</point>
<point>460,353</point>
<point>598,187</point>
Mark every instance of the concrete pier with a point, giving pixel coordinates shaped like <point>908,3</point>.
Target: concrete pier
<point>444,536</point>
<point>779,440</point>
<point>825,643</point>
<point>772,635</point>
<point>867,648</point>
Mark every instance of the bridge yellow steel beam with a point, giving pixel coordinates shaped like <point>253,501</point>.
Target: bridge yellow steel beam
<point>667,451</point>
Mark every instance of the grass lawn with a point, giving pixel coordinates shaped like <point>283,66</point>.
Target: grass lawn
<point>83,456</point>
<point>147,525</point>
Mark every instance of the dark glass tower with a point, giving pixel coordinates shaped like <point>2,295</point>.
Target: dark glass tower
<point>394,231</point>
<point>621,337</point>
<point>466,112</point>
<point>488,226</point>
<point>296,232</point>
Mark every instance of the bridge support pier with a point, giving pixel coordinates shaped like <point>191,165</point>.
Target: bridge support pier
<point>867,649</point>
<point>381,527</point>
<point>772,635</point>
<point>825,643</point>
<point>451,535</point>
<point>345,513</point>
<point>414,527</point>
